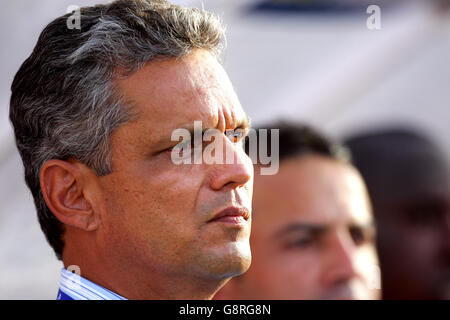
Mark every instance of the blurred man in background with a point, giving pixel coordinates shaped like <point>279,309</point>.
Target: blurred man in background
<point>313,235</point>
<point>408,179</point>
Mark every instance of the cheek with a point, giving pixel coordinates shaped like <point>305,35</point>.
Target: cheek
<point>149,218</point>
<point>367,266</point>
<point>300,274</point>
<point>291,273</point>
<point>146,204</point>
<point>422,241</point>
<point>163,191</point>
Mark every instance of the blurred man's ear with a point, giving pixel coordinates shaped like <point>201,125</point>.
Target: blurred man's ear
<point>68,190</point>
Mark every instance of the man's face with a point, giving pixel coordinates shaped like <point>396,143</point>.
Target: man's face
<point>414,239</point>
<point>158,214</point>
<point>312,235</point>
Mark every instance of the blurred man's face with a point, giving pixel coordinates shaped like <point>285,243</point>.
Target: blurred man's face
<point>312,235</point>
<point>160,215</point>
<point>414,230</point>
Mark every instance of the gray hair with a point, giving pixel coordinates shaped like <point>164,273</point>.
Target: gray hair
<point>64,103</point>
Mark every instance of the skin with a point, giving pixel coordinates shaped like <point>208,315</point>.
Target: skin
<point>412,207</point>
<point>312,235</point>
<point>143,231</point>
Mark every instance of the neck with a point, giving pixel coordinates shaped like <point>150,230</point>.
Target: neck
<point>133,281</point>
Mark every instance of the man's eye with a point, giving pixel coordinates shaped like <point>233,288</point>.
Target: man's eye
<point>361,235</point>
<point>236,136</point>
<point>301,243</point>
<point>183,149</point>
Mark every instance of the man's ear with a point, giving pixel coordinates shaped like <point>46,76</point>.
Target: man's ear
<point>69,190</point>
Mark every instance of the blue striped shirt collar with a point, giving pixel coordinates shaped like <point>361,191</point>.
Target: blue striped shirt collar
<point>75,287</point>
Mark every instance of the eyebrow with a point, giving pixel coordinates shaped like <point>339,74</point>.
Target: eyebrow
<point>301,227</point>
<point>317,229</point>
<point>163,141</point>
<point>242,123</point>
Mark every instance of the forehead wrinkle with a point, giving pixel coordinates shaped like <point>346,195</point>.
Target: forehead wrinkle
<point>232,111</point>
<point>216,89</point>
<point>224,115</point>
<point>233,117</point>
<point>213,95</point>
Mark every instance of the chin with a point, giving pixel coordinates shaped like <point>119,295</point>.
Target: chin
<point>232,260</point>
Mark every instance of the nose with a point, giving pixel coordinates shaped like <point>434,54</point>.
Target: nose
<point>340,262</point>
<point>232,174</point>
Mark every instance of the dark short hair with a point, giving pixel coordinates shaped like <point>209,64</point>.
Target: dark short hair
<point>64,103</point>
<point>296,139</point>
<point>390,157</point>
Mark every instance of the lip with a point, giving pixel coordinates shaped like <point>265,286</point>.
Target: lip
<point>234,215</point>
